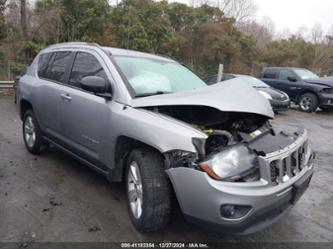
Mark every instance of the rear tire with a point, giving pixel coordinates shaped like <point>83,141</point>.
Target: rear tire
<point>308,102</point>
<point>148,190</point>
<point>32,135</point>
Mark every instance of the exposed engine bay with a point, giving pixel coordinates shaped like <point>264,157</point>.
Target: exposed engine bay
<point>226,128</point>
<point>235,140</point>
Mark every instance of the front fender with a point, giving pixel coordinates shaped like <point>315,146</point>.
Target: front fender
<point>157,130</point>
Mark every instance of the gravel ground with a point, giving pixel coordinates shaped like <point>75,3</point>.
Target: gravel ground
<point>53,198</point>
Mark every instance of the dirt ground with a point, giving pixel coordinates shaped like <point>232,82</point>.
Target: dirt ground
<point>53,198</point>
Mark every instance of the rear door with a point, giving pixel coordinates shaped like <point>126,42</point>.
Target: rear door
<point>84,115</point>
<point>270,77</point>
<point>53,70</point>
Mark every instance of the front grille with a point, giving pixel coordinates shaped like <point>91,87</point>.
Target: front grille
<point>283,169</point>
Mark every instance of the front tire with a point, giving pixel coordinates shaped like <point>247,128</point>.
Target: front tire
<point>148,190</point>
<point>308,102</point>
<point>32,135</point>
<point>327,109</point>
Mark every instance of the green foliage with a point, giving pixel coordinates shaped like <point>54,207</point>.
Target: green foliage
<point>143,25</point>
<point>2,19</point>
<point>294,51</point>
<point>31,49</point>
<point>84,19</point>
<point>201,38</point>
<point>1,54</point>
<point>17,68</point>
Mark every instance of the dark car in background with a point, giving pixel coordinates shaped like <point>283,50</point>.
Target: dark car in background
<point>304,87</point>
<point>278,99</point>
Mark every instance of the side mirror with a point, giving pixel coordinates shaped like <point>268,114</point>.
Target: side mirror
<point>94,84</point>
<point>292,78</point>
<point>97,85</point>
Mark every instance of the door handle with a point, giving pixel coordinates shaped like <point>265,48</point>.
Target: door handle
<point>66,97</point>
<point>295,88</point>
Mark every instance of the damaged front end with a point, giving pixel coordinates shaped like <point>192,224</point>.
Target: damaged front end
<point>261,155</point>
<point>240,174</point>
<point>245,174</point>
<point>236,145</point>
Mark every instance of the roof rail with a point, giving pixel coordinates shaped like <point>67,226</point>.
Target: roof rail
<point>165,56</point>
<point>96,45</point>
<point>73,44</point>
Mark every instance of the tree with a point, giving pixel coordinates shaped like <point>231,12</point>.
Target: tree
<point>2,19</point>
<point>47,23</point>
<point>240,10</point>
<point>83,20</point>
<point>143,25</point>
<point>219,43</point>
<point>201,37</point>
<point>322,59</point>
<point>263,32</point>
<point>23,18</point>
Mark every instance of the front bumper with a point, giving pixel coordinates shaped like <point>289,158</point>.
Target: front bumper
<point>326,100</point>
<point>278,105</point>
<point>201,198</point>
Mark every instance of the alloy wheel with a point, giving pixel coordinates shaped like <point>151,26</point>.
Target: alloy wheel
<point>306,103</point>
<point>29,132</point>
<point>134,189</point>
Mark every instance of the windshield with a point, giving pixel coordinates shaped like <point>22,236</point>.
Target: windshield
<point>305,74</point>
<point>254,82</point>
<point>152,76</point>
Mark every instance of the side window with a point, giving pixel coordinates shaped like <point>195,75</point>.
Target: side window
<point>285,73</point>
<point>85,64</point>
<point>227,77</point>
<point>43,63</point>
<point>269,74</point>
<point>57,71</point>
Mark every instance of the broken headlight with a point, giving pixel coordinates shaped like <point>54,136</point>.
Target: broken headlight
<point>179,158</point>
<point>231,164</point>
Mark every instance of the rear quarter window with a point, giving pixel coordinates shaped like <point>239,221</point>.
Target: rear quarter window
<point>43,63</point>
<point>269,74</point>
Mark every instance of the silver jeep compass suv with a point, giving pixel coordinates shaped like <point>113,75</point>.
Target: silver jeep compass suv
<point>150,122</point>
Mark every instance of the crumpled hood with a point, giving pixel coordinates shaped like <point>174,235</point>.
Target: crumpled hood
<point>233,95</point>
<point>327,81</point>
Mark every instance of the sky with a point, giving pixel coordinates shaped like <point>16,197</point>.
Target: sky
<point>294,14</point>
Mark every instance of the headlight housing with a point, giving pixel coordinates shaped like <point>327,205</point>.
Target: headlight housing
<point>287,96</point>
<point>327,90</point>
<point>231,163</point>
<point>266,95</point>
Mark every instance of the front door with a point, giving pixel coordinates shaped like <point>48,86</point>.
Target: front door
<point>84,115</point>
<point>290,87</point>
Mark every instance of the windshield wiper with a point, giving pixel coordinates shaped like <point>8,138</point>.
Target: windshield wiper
<point>151,94</point>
